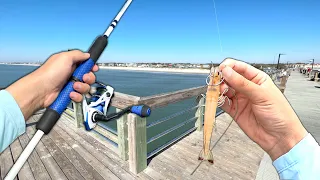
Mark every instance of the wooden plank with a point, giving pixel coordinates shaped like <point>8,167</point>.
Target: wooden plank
<point>6,162</point>
<point>121,101</point>
<point>37,167</point>
<point>137,143</point>
<point>48,161</point>
<point>76,159</point>
<point>161,100</point>
<point>163,168</point>
<point>102,146</point>
<point>200,114</point>
<point>154,174</point>
<point>122,128</point>
<point>66,166</point>
<point>52,158</point>
<point>83,160</point>
<point>25,172</point>
<point>95,151</point>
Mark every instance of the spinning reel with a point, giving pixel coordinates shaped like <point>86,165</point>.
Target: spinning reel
<point>96,102</point>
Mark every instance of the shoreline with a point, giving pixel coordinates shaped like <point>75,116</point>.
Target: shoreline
<point>20,64</point>
<point>166,70</point>
<point>169,70</point>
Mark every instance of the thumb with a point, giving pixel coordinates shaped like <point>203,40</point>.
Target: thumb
<point>77,55</point>
<point>239,83</point>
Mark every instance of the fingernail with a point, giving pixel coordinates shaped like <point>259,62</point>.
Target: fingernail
<point>77,86</point>
<point>87,54</point>
<point>222,66</point>
<point>87,78</point>
<point>72,95</point>
<point>227,71</point>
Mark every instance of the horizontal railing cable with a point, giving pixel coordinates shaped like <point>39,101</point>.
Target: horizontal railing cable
<point>154,152</point>
<point>170,130</point>
<point>170,117</point>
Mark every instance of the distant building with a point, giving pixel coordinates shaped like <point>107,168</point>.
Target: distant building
<point>205,66</point>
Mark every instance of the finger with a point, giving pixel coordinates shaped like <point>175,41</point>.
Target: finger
<point>76,97</point>
<point>239,83</point>
<point>229,93</point>
<point>249,72</point>
<point>77,55</point>
<point>80,87</point>
<point>95,68</point>
<point>229,108</point>
<point>89,78</point>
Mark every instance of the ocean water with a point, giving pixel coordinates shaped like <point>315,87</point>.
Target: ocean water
<point>137,83</point>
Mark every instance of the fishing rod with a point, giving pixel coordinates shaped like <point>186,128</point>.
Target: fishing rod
<point>54,111</point>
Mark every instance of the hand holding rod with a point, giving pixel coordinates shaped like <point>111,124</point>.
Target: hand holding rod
<point>54,111</point>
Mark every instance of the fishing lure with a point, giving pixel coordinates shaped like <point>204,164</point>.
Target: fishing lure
<point>214,99</point>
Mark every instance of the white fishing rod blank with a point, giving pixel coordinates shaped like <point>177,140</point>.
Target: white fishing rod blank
<point>54,111</point>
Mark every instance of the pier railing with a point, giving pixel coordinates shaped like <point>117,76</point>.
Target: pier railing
<point>131,135</point>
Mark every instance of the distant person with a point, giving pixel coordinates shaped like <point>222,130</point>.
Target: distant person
<point>38,90</point>
<point>266,116</point>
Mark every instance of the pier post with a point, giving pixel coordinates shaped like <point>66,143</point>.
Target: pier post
<point>199,114</point>
<point>78,113</point>
<point>122,128</point>
<point>137,143</point>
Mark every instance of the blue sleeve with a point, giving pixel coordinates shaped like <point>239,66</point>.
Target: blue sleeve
<point>301,162</point>
<point>12,123</point>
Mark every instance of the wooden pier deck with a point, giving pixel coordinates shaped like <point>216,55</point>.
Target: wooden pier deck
<point>305,100</point>
<point>235,156</point>
<point>68,152</point>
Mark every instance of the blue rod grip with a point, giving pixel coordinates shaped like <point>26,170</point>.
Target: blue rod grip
<point>63,100</point>
<point>54,111</point>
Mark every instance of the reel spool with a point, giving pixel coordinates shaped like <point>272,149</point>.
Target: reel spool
<point>97,102</point>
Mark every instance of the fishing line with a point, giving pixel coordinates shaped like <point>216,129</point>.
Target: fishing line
<point>233,118</point>
<point>215,12</point>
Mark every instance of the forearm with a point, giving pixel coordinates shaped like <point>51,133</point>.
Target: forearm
<point>301,162</point>
<point>28,93</point>
<point>12,122</point>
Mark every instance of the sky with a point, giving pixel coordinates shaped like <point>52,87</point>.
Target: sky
<point>184,31</point>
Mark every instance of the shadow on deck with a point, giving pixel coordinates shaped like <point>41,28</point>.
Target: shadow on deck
<point>68,152</point>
